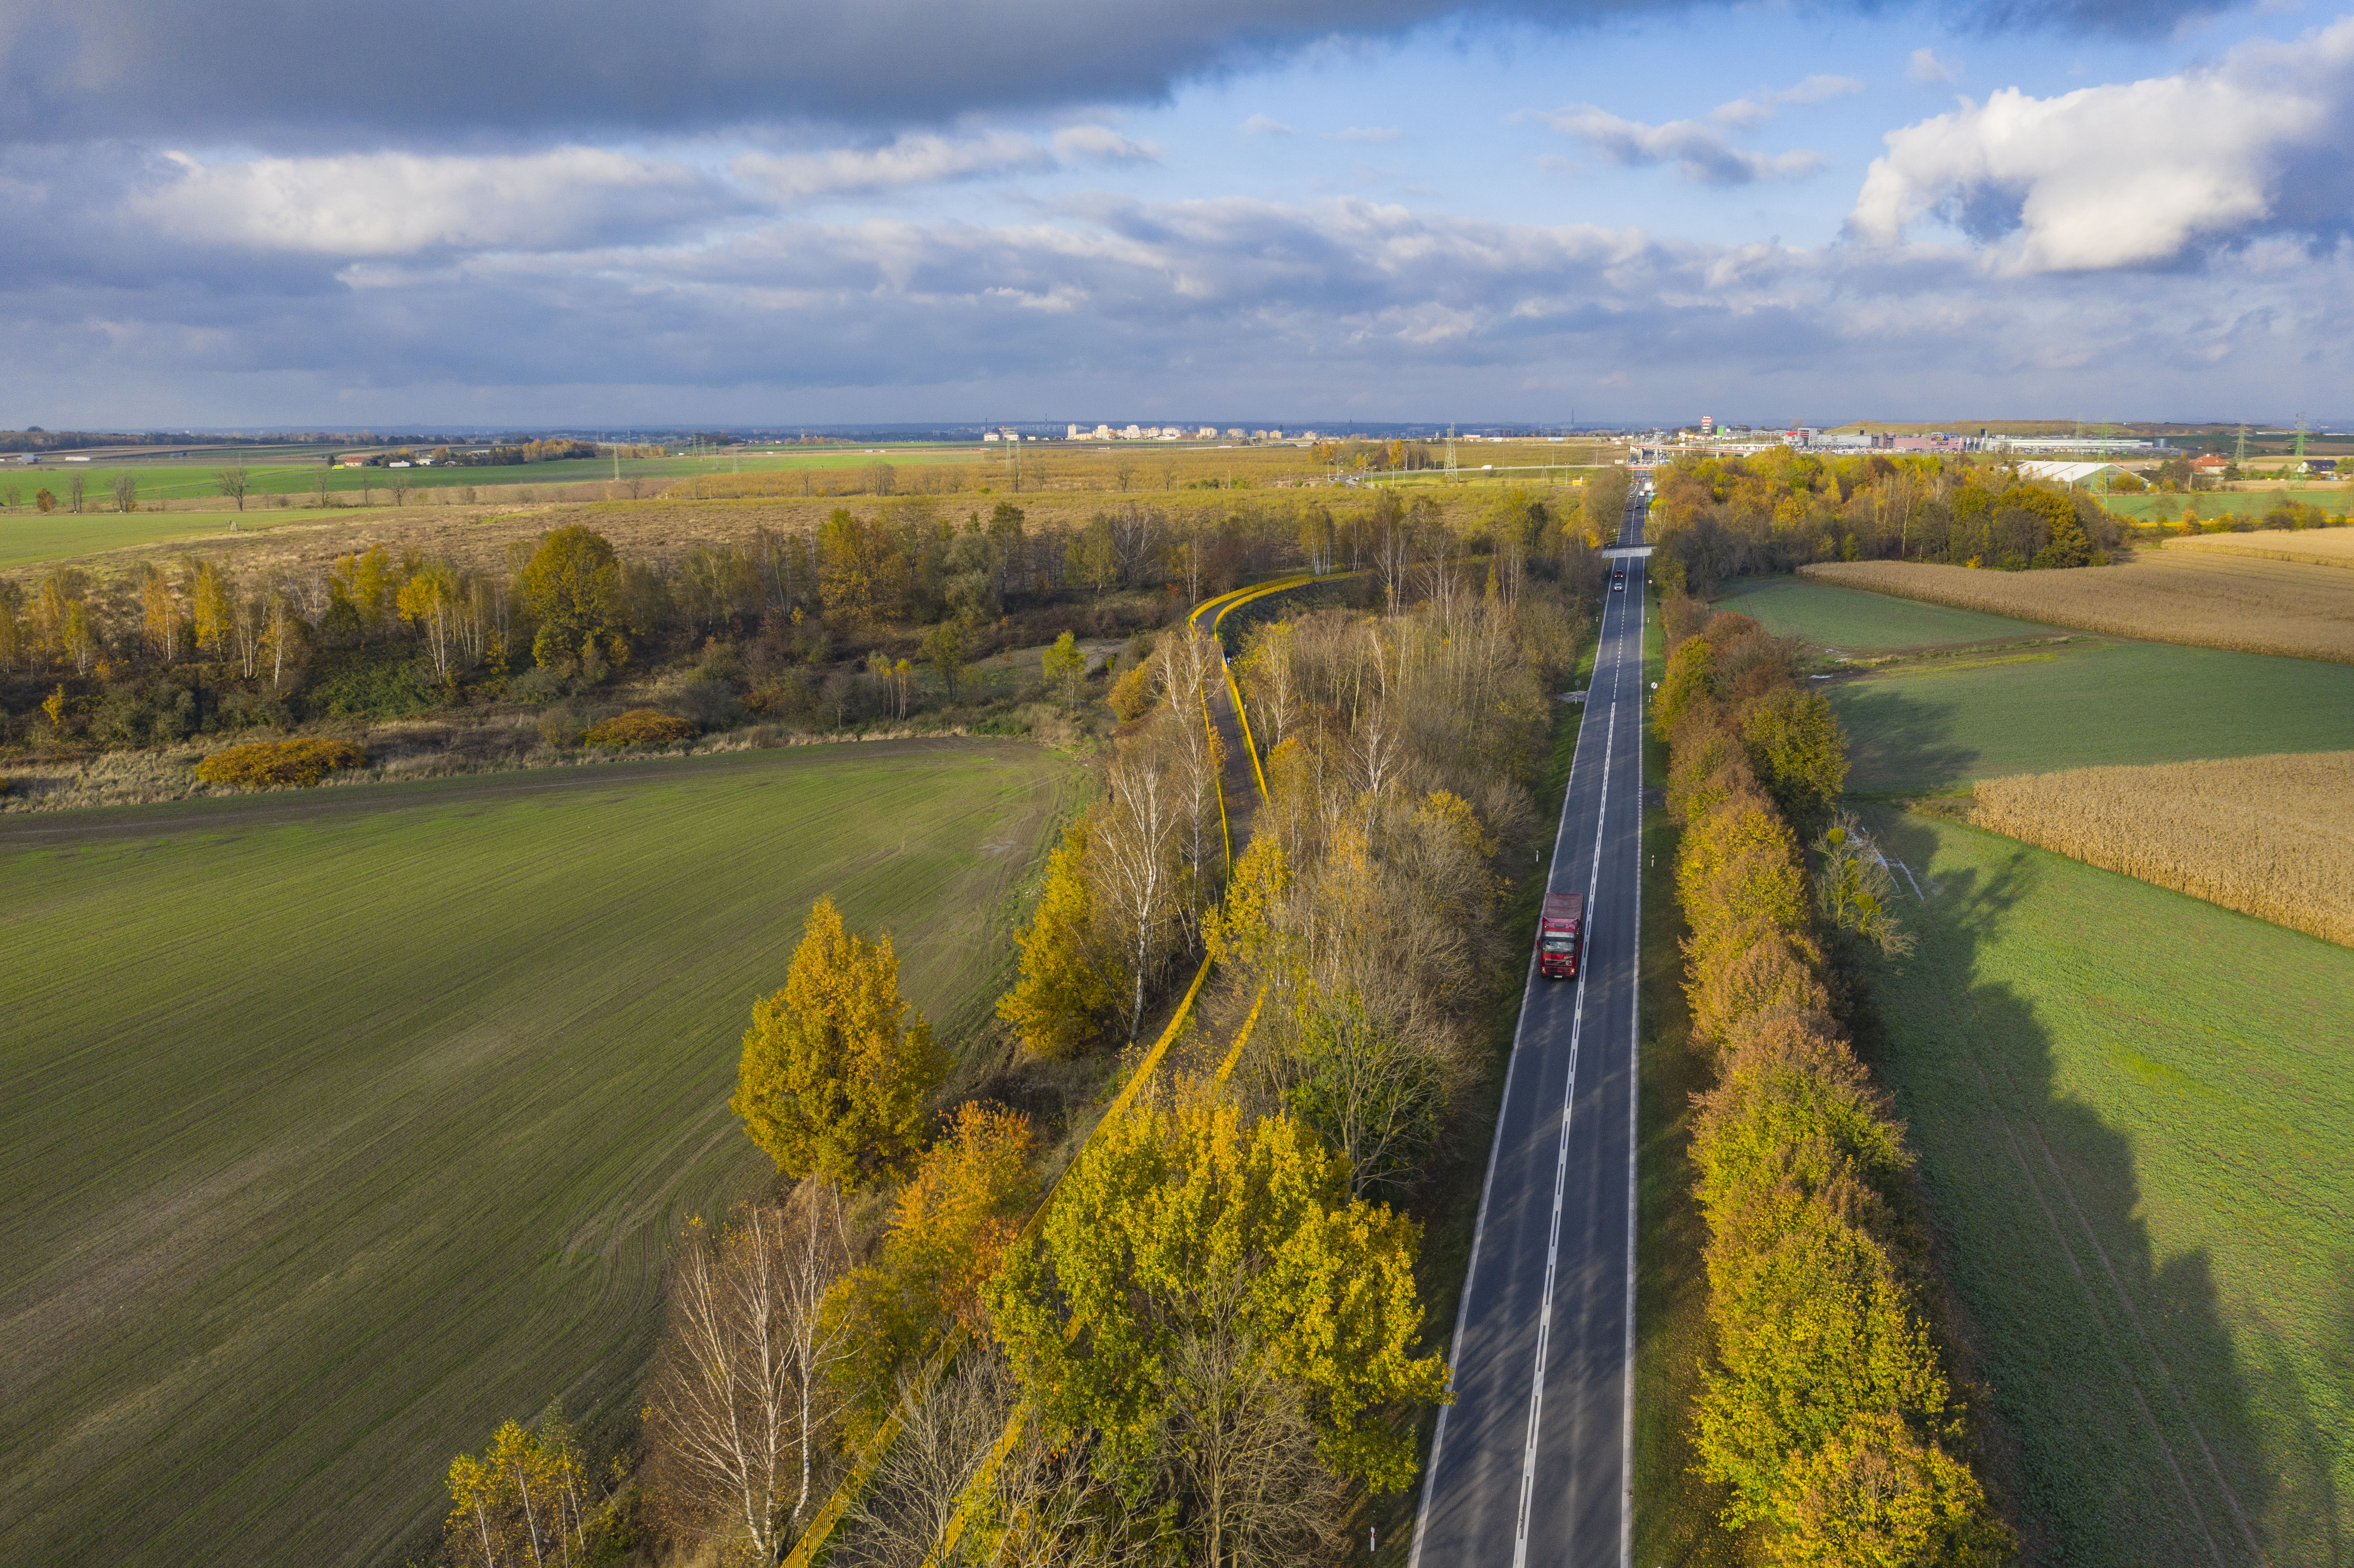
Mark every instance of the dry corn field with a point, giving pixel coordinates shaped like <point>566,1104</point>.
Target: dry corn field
<point>2312,546</point>
<point>2201,598</point>
<point>2268,836</point>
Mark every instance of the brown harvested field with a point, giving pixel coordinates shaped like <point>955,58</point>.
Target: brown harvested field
<point>2268,836</point>
<point>661,530</point>
<point>2311,546</point>
<point>2201,598</point>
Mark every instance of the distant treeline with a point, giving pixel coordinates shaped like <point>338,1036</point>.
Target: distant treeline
<point>197,646</point>
<point>1726,517</point>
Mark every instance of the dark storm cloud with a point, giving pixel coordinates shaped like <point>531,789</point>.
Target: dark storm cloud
<point>343,73</point>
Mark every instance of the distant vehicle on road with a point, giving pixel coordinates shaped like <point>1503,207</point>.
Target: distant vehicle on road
<point>1618,582</point>
<point>1557,935</point>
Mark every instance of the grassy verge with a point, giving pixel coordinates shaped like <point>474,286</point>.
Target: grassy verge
<point>344,1125</point>
<point>2137,1144</point>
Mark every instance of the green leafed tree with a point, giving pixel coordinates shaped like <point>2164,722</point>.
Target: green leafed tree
<point>837,1071</point>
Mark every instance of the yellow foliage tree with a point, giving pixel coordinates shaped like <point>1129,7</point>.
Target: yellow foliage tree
<point>526,1501</point>
<point>947,1234</point>
<point>836,1074</point>
<point>1876,1497</point>
<point>1062,996</point>
<point>210,608</point>
<point>1171,1212</point>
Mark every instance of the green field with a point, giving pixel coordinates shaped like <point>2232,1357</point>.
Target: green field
<point>2212,505</point>
<point>1847,621</point>
<point>27,536</point>
<point>341,1126</point>
<point>280,472</point>
<point>2137,1144</point>
<point>2091,704</point>
<point>1942,721</point>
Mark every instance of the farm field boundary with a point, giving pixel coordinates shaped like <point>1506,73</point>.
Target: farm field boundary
<point>2140,1182</point>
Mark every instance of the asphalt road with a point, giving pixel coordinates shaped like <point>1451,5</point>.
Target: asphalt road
<point>1532,1462</point>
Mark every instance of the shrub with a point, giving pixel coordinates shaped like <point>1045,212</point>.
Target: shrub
<point>639,726</point>
<point>279,764</point>
<point>372,682</point>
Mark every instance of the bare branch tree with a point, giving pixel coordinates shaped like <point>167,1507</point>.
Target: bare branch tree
<point>1240,1451</point>
<point>744,1392</point>
<point>1189,662</point>
<point>1138,840</point>
<point>234,482</point>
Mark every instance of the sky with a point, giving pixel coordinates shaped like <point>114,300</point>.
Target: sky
<point>229,213</point>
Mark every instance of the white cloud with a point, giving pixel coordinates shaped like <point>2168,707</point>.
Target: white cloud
<point>909,161</point>
<point>1367,133</point>
<point>1265,125</point>
<point>1229,301</point>
<point>1103,144</point>
<point>1927,68</point>
<point>395,203</point>
<point>2133,173</point>
<point>1700,152</point>
<point>1746,112</point>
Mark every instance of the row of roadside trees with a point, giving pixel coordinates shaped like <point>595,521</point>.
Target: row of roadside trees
<point>1830,1407</point>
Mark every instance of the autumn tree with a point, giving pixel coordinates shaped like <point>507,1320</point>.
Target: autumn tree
<point>1800,752</point>
<point>1177,1218</point>
<point>860,570</point>
<point>429,601</point>
<point>1854,889</point>
<point>1187,664</point>
<point>1064,667</point>
<point>1064,992</point>
<point>210,608</point>
<point>745,1392</point>
<point>837,1070</point>
<point>126,493</point>
<point>572,586</point>
<point>948,1228</point>
<point>526,1501</point>
<point>159,613</point>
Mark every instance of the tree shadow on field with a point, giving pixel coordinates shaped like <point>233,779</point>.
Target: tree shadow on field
<point>2122,1428</point>
<point>1898,740</point>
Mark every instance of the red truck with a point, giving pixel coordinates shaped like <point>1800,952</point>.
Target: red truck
<point>1557,935</point>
